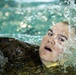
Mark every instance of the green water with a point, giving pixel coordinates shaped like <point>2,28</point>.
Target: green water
<point>33,18</point>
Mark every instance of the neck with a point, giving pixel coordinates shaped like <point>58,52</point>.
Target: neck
<point>50,64</point>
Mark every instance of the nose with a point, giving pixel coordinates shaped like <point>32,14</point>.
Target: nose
<point>51,41</point>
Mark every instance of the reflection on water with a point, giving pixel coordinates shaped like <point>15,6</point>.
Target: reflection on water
<point>29,18</point>
<point>33,18</point>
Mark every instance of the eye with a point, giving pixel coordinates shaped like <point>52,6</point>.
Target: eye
<point>50,34</point>
<point>61,39</point>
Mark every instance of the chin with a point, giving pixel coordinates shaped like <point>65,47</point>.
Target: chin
<point>45,58</point>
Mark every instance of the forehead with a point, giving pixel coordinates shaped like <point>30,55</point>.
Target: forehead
<point>60,28</point>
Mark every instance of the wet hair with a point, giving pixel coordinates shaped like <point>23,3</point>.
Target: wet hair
<point>71,26</point>
<point>65,22</point>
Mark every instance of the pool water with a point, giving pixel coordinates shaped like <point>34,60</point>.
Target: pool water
<point>23,19</point>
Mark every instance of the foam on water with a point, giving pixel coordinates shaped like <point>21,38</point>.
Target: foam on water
<point>69,55</point>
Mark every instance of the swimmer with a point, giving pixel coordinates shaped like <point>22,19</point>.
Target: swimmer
<point>27,59</point>
<point>53,44</point>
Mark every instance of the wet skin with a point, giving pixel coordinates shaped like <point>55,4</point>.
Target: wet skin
<point>53,43</point>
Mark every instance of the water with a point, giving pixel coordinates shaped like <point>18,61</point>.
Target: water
<point>34,18</point>
<point>29,21</point>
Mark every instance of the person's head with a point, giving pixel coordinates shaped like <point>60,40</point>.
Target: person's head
<point>52,44</point>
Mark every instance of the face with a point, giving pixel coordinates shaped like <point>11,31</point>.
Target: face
<point>53,43</point>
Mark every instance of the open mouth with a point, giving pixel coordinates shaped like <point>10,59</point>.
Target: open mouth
<point>47,48</point>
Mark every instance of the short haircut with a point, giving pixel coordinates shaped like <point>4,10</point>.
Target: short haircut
<point>65,22</point>
<point>71,26</point>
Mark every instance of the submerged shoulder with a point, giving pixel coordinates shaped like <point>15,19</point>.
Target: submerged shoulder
<point>19,52</point>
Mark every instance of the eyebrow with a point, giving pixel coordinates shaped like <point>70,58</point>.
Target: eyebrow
<point>63,36</point>
<point>50,30</point>
<point>60,34</point>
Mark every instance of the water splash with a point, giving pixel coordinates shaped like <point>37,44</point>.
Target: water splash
<point>69,54</point>
<point>3,60</point>
<point>32,39</point>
